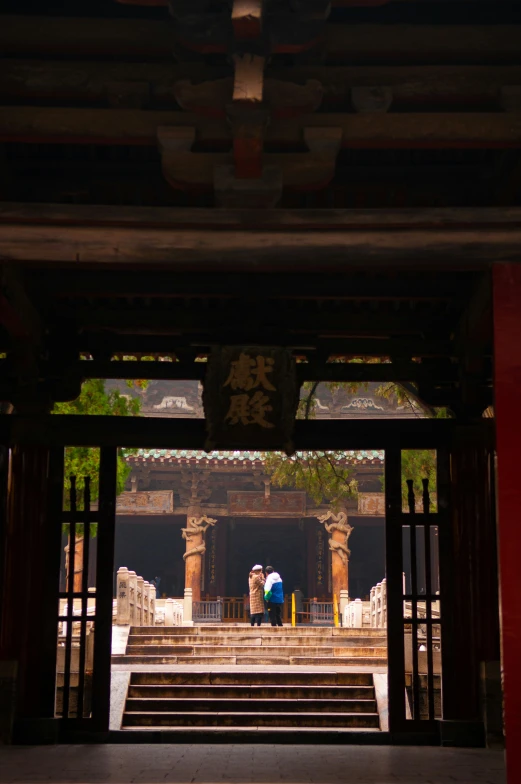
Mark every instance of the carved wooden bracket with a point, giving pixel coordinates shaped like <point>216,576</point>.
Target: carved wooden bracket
<point>247,19</point>
<point>268,26</point>
<point>371,100</point>
<point>284,99</point>
<point>294,170</point>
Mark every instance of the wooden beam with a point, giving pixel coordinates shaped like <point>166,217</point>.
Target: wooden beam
<point>440,373</point>
<point>147,432</point>
<point>343,240</point>
<point>469,44</point>
<point>81,283</point>
<point>257,320</point>
<point>85,81</point>
<point>48,125</point>
<point>334,3</point>
<point>146,345</point>
<point>171,218</point>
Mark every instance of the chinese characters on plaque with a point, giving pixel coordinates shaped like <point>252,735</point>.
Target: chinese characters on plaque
<point>250,398</point>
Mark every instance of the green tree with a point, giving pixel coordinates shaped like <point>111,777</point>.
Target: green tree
<point>82,461</point>
<point>418,464</point>
<point>324,475</point>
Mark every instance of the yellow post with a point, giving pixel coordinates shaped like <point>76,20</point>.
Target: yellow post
<point>293,611</point>
<point>335,610</point>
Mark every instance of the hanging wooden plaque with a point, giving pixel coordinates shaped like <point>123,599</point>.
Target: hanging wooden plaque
<point>250,398</point>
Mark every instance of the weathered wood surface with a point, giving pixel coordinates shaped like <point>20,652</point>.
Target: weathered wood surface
<point>246,249</point>
<point>284,98</point>
<point>299,170</point>
<point>479,44</point>
<point>442,372</point>
<point>80,216</point>
<point>334,3</point>
<point>137,432</point>
<point>247,16</point>
<point>87,81</point>
<point>125,126</point>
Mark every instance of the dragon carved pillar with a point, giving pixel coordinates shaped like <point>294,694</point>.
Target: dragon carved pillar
<point>339,532</point>
<point>194,534</point>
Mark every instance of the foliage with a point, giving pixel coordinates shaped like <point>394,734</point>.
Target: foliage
<point>83,461</point>
<point>321,474</point>
<point>418,464</point>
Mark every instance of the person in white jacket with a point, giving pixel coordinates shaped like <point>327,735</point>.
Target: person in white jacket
<point>274,595</point>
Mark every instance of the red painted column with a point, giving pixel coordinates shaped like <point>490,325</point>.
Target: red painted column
<point>507,355</point>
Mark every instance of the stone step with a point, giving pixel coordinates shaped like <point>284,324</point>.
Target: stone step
<point>272,639</point>
<point>229,735</point>
<point>219,704</point>
<point>266,678</point>
<point>243,629</point>
<point>262,692</point>
<point>251,650</point>
<point>269,661</point>
<point>250,719</point>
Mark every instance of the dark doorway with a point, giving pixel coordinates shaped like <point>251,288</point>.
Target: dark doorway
<point>152,550</point>
<point>280,543</point>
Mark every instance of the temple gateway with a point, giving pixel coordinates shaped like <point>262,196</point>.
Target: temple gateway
<point>162,524</point>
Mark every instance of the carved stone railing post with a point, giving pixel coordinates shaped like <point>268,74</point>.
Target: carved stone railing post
<point>339,530</point>
<point>139,600</point>
<point>169,612</point>
<point>187,608</point>
<point>132,584</point>
<point>146,602</point>
<point>152,606</point>
<point>122,597</point>
<point>343,601</point>
<point>196,526</point>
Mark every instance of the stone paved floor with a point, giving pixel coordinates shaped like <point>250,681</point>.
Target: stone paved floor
<point>249,764</point>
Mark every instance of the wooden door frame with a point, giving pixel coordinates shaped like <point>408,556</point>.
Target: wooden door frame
<point>109,433</point>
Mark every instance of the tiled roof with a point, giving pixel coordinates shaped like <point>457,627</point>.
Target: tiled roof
<point>372,456</point>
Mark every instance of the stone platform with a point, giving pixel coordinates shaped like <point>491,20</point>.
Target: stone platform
<point>265,645</point>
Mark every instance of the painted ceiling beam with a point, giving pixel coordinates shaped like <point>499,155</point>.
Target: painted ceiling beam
<point>422,130</point>
<point>68,36</point>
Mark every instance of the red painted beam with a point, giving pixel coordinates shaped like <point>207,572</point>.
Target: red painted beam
<point>507,349</point>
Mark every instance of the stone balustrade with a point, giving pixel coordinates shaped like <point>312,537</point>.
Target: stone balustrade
<point>173,612</point>
<point>357,614</point>
<point>378,602</point>
<point>136,600</point>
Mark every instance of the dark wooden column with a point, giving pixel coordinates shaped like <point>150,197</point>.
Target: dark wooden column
<point>221,558</point>
<point>507,359</point>
<point>470,600</point>
<point>29,592</point>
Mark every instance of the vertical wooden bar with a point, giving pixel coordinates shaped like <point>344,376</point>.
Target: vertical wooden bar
<point>394,571</point>
<point>70,601</point>
<point>446,577</point>
<point>507,359</point>
<point>104,588</point>
<point>50,589</point>
<point>414,602</point>
<point>84,596</point>
<point>428,598</point>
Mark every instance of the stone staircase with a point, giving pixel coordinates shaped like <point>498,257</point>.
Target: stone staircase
<point>250,705</point>
<point>265,645</point>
